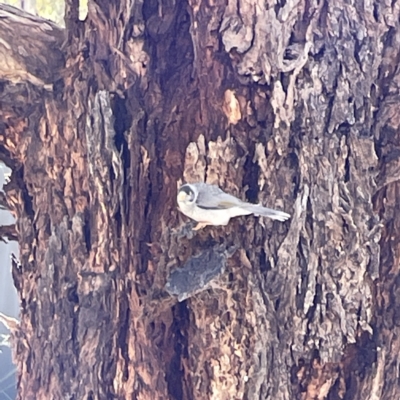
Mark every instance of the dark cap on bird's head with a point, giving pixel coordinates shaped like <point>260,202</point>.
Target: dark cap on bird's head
<point>186,193</point>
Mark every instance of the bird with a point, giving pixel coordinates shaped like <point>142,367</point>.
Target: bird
<point>209,205</point>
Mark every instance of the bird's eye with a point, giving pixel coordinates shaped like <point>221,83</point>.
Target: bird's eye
<point>190,196</point>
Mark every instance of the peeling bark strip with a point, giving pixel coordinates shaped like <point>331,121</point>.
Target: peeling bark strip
<point>106,184</point>
<point>293,105</point>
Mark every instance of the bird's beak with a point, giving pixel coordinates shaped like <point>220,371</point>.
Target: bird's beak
<point>182,196</point>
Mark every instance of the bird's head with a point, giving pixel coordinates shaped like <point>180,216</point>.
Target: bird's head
<point>187,194</point>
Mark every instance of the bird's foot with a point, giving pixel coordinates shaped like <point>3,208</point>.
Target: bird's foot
<point>201,225</point>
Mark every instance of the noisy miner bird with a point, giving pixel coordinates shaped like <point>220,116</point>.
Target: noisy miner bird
<point>209,205</point>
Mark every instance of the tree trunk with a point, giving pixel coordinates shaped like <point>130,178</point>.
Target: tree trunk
<point>293,105</point>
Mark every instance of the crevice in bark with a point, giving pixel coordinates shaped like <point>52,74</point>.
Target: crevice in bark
<point>72,294</point>
<point>124,319</point>
<point>250,177</point>
<point>179,340</point>
<point>87,231</point>
<point>18,178</point>
<point>347,169</point>
<point>311,311</point>
<point>358,359</point>
<point>122,124</point>
<point>264,264</point>
<point>304,281</point>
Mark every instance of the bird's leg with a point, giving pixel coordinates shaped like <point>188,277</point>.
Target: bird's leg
<point>200,225</point>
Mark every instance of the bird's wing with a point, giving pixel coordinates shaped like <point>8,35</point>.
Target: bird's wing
<point>213,198</point>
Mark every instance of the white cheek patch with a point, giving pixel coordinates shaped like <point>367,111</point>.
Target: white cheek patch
<point>182,196</point>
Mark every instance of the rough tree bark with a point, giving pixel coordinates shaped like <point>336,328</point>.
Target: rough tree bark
<point>293,104</point>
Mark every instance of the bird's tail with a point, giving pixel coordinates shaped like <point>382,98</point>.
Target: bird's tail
<point>257,209</point>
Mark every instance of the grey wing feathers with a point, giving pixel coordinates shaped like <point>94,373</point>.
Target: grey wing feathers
<point>211,197</point>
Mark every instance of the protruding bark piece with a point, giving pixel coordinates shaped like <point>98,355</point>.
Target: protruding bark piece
<point>197,274</point>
